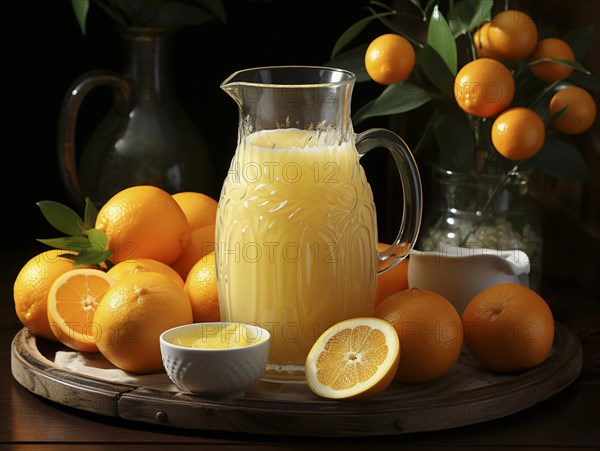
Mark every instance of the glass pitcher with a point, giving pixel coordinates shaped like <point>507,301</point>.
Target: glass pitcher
<point>296,236</point>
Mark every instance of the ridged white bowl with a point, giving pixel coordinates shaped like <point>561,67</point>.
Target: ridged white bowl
<point>214,372</point>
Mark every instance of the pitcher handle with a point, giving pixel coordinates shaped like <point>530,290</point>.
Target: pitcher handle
<point>68,119</point>
<point>411,187</point>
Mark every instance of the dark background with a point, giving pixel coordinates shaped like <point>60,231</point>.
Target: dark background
<point>46,52</point>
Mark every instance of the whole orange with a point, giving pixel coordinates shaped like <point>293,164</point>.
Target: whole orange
<point>144,222</point>
<point>484,87</point>
<point>31,288</point>
<point>512,35</point>
<point>508,328</point>
<point>549,71</point>
<point>518,133</point>
<point>390,58</point>
<point>430,332</point>
<point>202,242</point>
<point>201,287</point>
<point>482,43</point>
<point>133,313</point>
<point>392,280</point>
<point>581,113</point>
<point>128,267</point>
<point>200,209</point>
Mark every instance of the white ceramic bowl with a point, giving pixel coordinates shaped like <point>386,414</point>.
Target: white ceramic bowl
<point>214,372</point>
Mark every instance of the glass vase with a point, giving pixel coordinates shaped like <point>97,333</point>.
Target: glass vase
<point>491,211</point>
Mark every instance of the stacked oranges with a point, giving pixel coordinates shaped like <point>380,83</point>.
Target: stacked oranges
<point>160,274</point>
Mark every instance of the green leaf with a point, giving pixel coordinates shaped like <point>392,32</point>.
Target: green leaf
<point>588,82</point>
<point>91,256</point>
<point>359,116</point>
<point>427,135</point>
<point>395,99</point>
<point>90,214</point>
<point>81,8</point>
<point>440,38</point>
<point>468,15</point>
<point>382,5</point>
<point>436,71</point>
<point>543,96</point>
<point>353,61</point>
<point>560,113</point>
<point>71,257</point>
<point>354,30</point>
<point>559,159</point>
<point>97,238</point>
<point>69,243</point>
<point>573,64</point>
<point>579,40</point>
<point>423,7</point>
<point>62,218</point>
<point>417,3</point>
<point>527,88</point>
<point>429,4</point>
<point>456,142</point>
<point>393,26</point>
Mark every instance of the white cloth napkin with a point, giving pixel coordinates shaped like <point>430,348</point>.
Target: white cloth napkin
<point>97,366</point>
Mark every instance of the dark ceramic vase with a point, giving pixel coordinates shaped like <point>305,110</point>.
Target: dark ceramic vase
<point>145,139</point>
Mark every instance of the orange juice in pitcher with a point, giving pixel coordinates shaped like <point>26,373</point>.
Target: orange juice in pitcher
<point>296,225</point>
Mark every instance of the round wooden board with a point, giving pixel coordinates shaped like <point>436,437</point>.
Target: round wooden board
<point>466,395</point>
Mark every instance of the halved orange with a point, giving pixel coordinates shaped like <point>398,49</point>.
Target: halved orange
<point>355,358</point>
<point>72,302</point>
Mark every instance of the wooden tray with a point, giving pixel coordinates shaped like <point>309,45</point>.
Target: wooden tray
<point>466,395</point>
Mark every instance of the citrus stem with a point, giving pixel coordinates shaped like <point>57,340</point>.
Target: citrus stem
<point>472,45</point>
<point>499,188</point>
<point>545,91</point>
<point>475,126</point>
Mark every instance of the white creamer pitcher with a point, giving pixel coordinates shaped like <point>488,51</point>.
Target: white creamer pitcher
<point>459,273</point>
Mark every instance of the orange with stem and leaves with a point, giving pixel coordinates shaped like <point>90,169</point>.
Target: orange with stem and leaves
<point>577,108</point>
<point>484,87</point>
<point>518,133</point>
<point>512,35</point>
<point>508,67</point>
<point>550,71</point>
<point>389,59</point>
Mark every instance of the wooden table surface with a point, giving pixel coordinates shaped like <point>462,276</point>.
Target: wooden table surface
<point>568,420</point>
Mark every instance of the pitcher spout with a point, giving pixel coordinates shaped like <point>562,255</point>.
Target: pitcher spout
<point>305,97</point>
<point>232,86</point>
